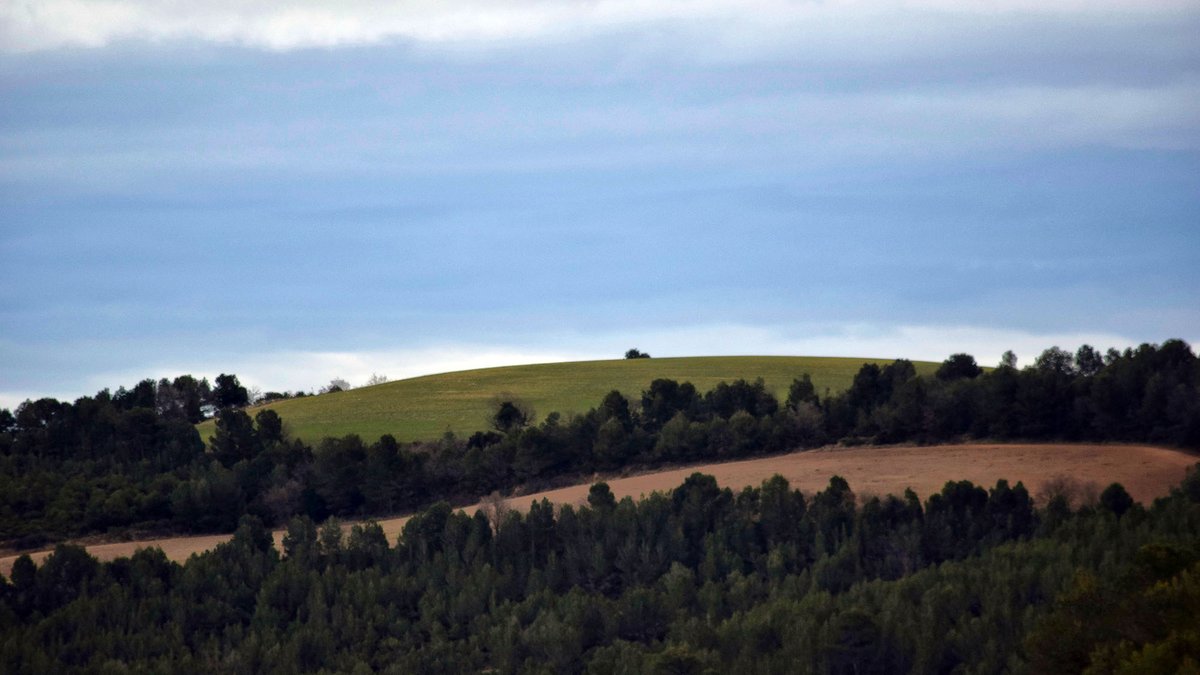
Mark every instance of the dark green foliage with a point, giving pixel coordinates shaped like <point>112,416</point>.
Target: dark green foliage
<point>600,497</point>
<point>183,398</point>
<point>852,644</point>
<point>102,462</point>
<point>741,396</point>
<point>665,399</point>
<point>133,460</point>
<point>616,407</point>
<point>142,395</point>
<point>1088,361</point>
<point>1140,619</point>
<point>1116,499</point>
<point>509,416</point>
<point>695,581</point>
<point>1151,393</point>
<point>959,366</point>
<point>339,473</point>
<point>269,427</point>
<point>235,439</point>
<point>229,393</point>
<point>802,391</point>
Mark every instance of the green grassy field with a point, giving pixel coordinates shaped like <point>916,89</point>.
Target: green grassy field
<point>423,408</point>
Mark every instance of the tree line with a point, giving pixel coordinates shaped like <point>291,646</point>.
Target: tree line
<point>112,463</point>
<point>697,580</point>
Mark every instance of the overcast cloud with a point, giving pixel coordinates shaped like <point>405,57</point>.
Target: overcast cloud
<point>300,190</point>
<point>756,25</point>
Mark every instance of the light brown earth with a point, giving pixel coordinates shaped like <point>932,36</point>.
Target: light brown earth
<point>1146,472</point>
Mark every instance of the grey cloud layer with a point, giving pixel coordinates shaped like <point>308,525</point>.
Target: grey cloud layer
<point>730,26</point>
<point>198,183</point>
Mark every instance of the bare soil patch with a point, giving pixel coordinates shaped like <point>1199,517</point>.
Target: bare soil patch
<point>1146,472</point>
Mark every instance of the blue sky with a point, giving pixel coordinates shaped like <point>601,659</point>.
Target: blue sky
<point>295,192</point>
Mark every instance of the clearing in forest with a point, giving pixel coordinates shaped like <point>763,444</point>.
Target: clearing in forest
<point>1146,472</point>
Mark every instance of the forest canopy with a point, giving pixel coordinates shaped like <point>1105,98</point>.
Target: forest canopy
<point>133,462</point>
<point>697,580</point>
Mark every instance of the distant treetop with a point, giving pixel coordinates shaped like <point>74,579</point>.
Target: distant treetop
<point>959,366</point>
<point>635,354</point>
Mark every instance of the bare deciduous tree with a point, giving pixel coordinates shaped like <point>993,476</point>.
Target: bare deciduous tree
<point>495,508</point>
<point>336,384</point>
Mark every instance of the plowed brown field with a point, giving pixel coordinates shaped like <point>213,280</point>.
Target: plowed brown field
<point>1146,472</point>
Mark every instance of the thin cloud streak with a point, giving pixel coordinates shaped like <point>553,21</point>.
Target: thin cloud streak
<point>34,25</point>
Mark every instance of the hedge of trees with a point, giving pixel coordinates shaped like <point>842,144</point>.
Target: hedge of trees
<point>700,580</point>
<point>106,461</point>
<point>133,460</point>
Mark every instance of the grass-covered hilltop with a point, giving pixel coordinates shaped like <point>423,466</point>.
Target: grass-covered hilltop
<point>423,408</point>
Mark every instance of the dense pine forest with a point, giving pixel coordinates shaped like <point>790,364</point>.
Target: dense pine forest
<point>132,461</point>
<point>700,580</point>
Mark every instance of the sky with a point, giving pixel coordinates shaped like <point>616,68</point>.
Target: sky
<point>295,191</point>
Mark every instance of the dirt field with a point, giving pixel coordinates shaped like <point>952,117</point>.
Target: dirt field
<point>1146,472</point>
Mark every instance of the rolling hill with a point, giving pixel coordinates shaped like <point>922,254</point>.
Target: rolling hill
<point>423,408</point>
<point>1147,472</point>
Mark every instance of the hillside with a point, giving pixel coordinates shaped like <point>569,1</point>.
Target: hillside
<point>426,407</point>
<point>1146,472</point>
